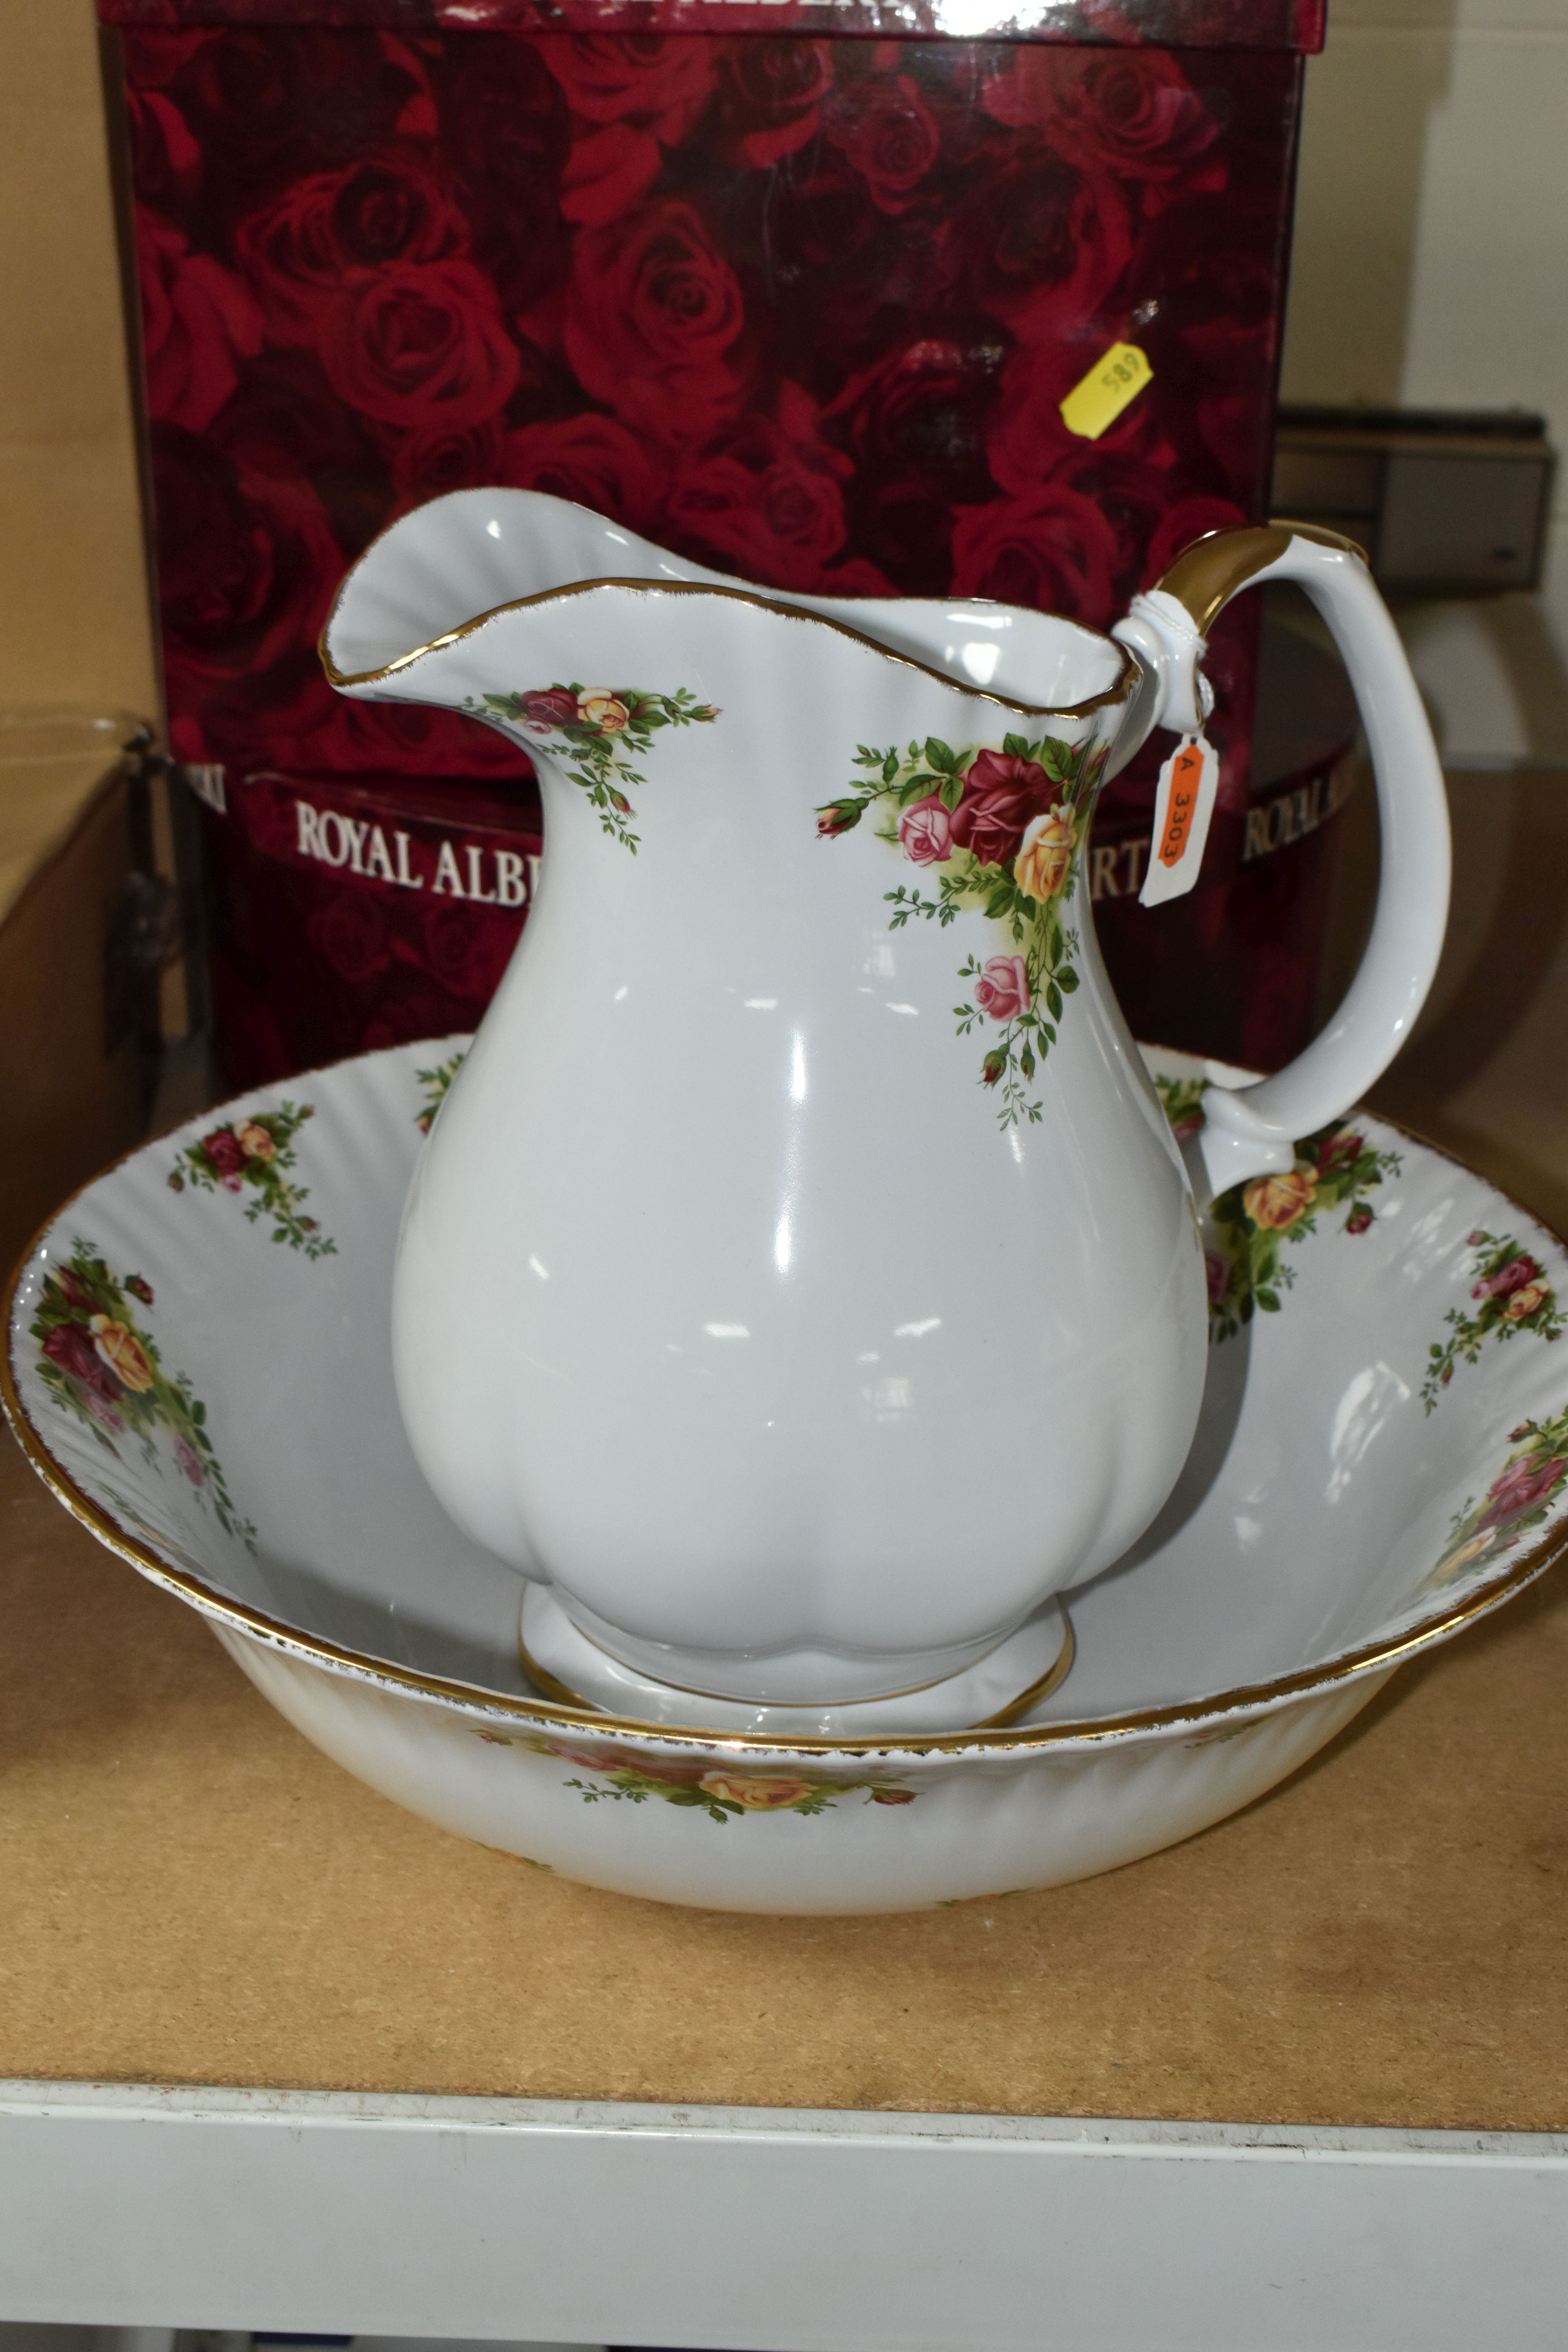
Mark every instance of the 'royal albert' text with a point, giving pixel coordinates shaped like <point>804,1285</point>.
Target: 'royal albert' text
<point>487,877</point>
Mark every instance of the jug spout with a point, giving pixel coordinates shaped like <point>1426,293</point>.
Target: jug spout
<point>454,566</point>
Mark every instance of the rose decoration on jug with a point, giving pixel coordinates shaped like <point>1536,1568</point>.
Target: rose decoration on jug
<point>1002,829</point>
<point>600,728</point>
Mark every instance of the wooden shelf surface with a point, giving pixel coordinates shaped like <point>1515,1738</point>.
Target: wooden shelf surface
<point>194,1894</point>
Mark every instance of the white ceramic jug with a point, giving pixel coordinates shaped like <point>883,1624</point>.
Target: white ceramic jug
<point>801,1278</point>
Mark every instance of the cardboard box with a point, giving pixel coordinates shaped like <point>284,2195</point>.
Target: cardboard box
<point>84,928</point>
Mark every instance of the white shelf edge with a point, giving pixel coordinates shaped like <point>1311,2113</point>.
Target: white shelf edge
<point>768,2230</point>
<point>1084,2136</point>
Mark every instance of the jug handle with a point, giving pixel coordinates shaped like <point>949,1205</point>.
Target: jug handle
<point>1251,1130</point>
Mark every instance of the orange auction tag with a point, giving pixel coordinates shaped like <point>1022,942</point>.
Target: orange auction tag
<point>1184,805</point>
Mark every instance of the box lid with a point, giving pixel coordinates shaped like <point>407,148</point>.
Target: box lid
<point>1133,24</point>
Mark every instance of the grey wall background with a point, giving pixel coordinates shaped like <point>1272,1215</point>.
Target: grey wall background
<point>1431,267</point>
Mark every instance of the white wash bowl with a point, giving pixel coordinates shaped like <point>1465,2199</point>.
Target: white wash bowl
<point>1328,1526</point>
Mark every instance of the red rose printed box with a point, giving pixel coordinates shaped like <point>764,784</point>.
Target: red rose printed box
<point>799,289</point>
<point>1240,968</point>
<point>352,911</point>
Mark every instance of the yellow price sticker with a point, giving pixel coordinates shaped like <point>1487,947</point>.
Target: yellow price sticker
<point>1099,400</point>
